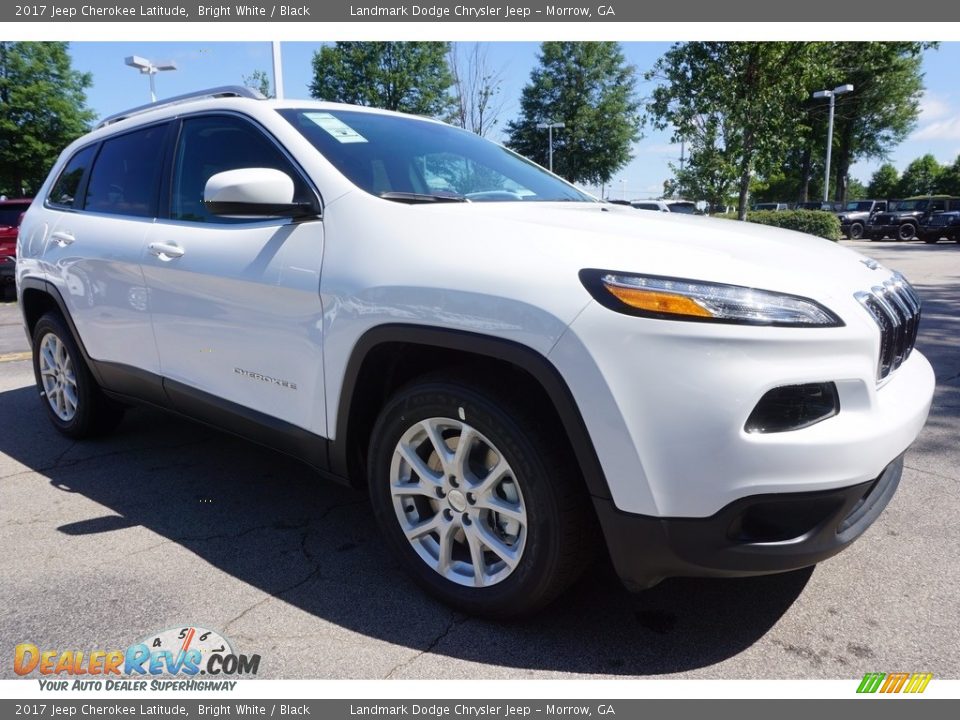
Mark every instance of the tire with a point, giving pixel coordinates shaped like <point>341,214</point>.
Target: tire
<point>856,231</point>
<point>73,400</point>
<point>501,563</point>
<point>907,231</point>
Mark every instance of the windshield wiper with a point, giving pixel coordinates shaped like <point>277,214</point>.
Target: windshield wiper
<point>413,198</point>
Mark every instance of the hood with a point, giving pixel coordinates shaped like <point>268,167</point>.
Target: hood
<point>611,237</point>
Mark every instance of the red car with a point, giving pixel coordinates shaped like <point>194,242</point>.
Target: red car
<point>11,213</point>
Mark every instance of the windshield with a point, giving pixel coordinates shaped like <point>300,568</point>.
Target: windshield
<point>413,160</point>
<point>859,206</point>
<point>687,208</point>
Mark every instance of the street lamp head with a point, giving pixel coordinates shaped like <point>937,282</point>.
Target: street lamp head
<point>823,94</point>
<point>137,62</point>
<point>147,67</point>
<point>544,126</point>
<point>841,89</point>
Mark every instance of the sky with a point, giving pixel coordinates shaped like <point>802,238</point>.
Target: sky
<point>117,87</point>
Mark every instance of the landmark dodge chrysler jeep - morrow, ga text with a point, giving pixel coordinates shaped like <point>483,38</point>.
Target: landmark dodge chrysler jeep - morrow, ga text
<point>517,371</point>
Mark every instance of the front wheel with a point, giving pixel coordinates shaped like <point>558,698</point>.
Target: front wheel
<point>477,498</point>
<point>906,232</point>
<point>856,231</point>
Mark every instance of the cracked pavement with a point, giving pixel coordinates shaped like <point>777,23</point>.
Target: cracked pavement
<point>167,523</point>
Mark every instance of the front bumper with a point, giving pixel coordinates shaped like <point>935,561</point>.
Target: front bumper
<point>755,535</point>
<point>666,407</point>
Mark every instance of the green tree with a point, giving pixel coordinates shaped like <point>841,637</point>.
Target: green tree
<point>737,103</point>
<point>259,80</point>
<point>883,108</point>
<point>589,87</point>
<point>42,110</point>
<point>708,174</point>
<point>921,177</point>
<point>885,182</point>
<point>856,190</point>
<point>410,77</point>
<point>950,179</point>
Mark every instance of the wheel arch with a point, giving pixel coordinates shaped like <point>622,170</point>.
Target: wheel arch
<point>387,357</point>
<point>38,297</point>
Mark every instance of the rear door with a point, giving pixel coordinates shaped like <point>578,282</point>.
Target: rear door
<point>236,302</point>
<point>101,209</point>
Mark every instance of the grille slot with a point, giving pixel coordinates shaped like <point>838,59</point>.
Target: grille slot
<point>895,307</point>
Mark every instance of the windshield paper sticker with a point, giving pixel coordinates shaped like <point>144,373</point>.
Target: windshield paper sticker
<point>337,128</point>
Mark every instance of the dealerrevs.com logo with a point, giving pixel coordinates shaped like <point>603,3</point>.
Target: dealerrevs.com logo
<point>180,658</point>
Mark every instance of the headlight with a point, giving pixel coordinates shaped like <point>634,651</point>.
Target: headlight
<point>679,299</point>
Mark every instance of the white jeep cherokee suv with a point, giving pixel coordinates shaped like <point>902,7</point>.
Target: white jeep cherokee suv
<point>508,364</point>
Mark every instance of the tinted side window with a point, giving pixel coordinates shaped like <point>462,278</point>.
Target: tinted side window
<point>126,174</point>
<point>64,190</point>
<point>213,144</point>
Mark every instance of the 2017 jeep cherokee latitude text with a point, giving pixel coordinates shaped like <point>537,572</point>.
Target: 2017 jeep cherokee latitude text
<point>509,365</point>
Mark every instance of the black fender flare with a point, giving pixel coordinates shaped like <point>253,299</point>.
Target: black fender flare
<point>522,356</point>
<point>48,288</point>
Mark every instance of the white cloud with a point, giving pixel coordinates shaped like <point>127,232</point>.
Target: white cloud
<point>939,119</point>
<point>934,107</point>
<point>948,129</point>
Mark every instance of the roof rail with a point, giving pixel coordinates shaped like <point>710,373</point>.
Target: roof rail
<point>223,91</point>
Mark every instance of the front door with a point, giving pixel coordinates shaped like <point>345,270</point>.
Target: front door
<point>236,302</point>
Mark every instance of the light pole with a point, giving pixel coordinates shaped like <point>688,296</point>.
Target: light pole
<point>623,188</point>
<point>277,71</point>
<point>146,67</point>
<point>549,128</point>
<point>832,94</point>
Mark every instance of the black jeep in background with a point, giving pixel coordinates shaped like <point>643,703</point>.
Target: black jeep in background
<point>856,215</point>
<point>941,225</point>
<point>903,218</point>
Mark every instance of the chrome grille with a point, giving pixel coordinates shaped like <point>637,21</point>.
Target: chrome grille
<point>895,307</point>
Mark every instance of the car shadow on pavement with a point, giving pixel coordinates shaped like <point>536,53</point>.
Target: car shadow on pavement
<point>270,522</point>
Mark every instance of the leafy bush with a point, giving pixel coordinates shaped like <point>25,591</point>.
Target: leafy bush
<point>813,222</point>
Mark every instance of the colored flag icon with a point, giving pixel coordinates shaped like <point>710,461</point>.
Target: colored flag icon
<point>894,683</point>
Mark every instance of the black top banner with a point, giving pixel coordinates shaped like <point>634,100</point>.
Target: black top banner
<point>825,11</point>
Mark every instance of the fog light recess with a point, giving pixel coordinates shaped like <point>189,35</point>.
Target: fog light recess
<point>793,407</point>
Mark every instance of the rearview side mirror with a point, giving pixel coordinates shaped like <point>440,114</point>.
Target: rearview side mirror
<point>255,192</point>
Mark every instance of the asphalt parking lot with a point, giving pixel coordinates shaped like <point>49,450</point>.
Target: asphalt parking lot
<point>167,523</point>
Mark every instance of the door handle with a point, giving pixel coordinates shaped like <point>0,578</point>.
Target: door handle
<point>165,251</point>
<point>62,238</point>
